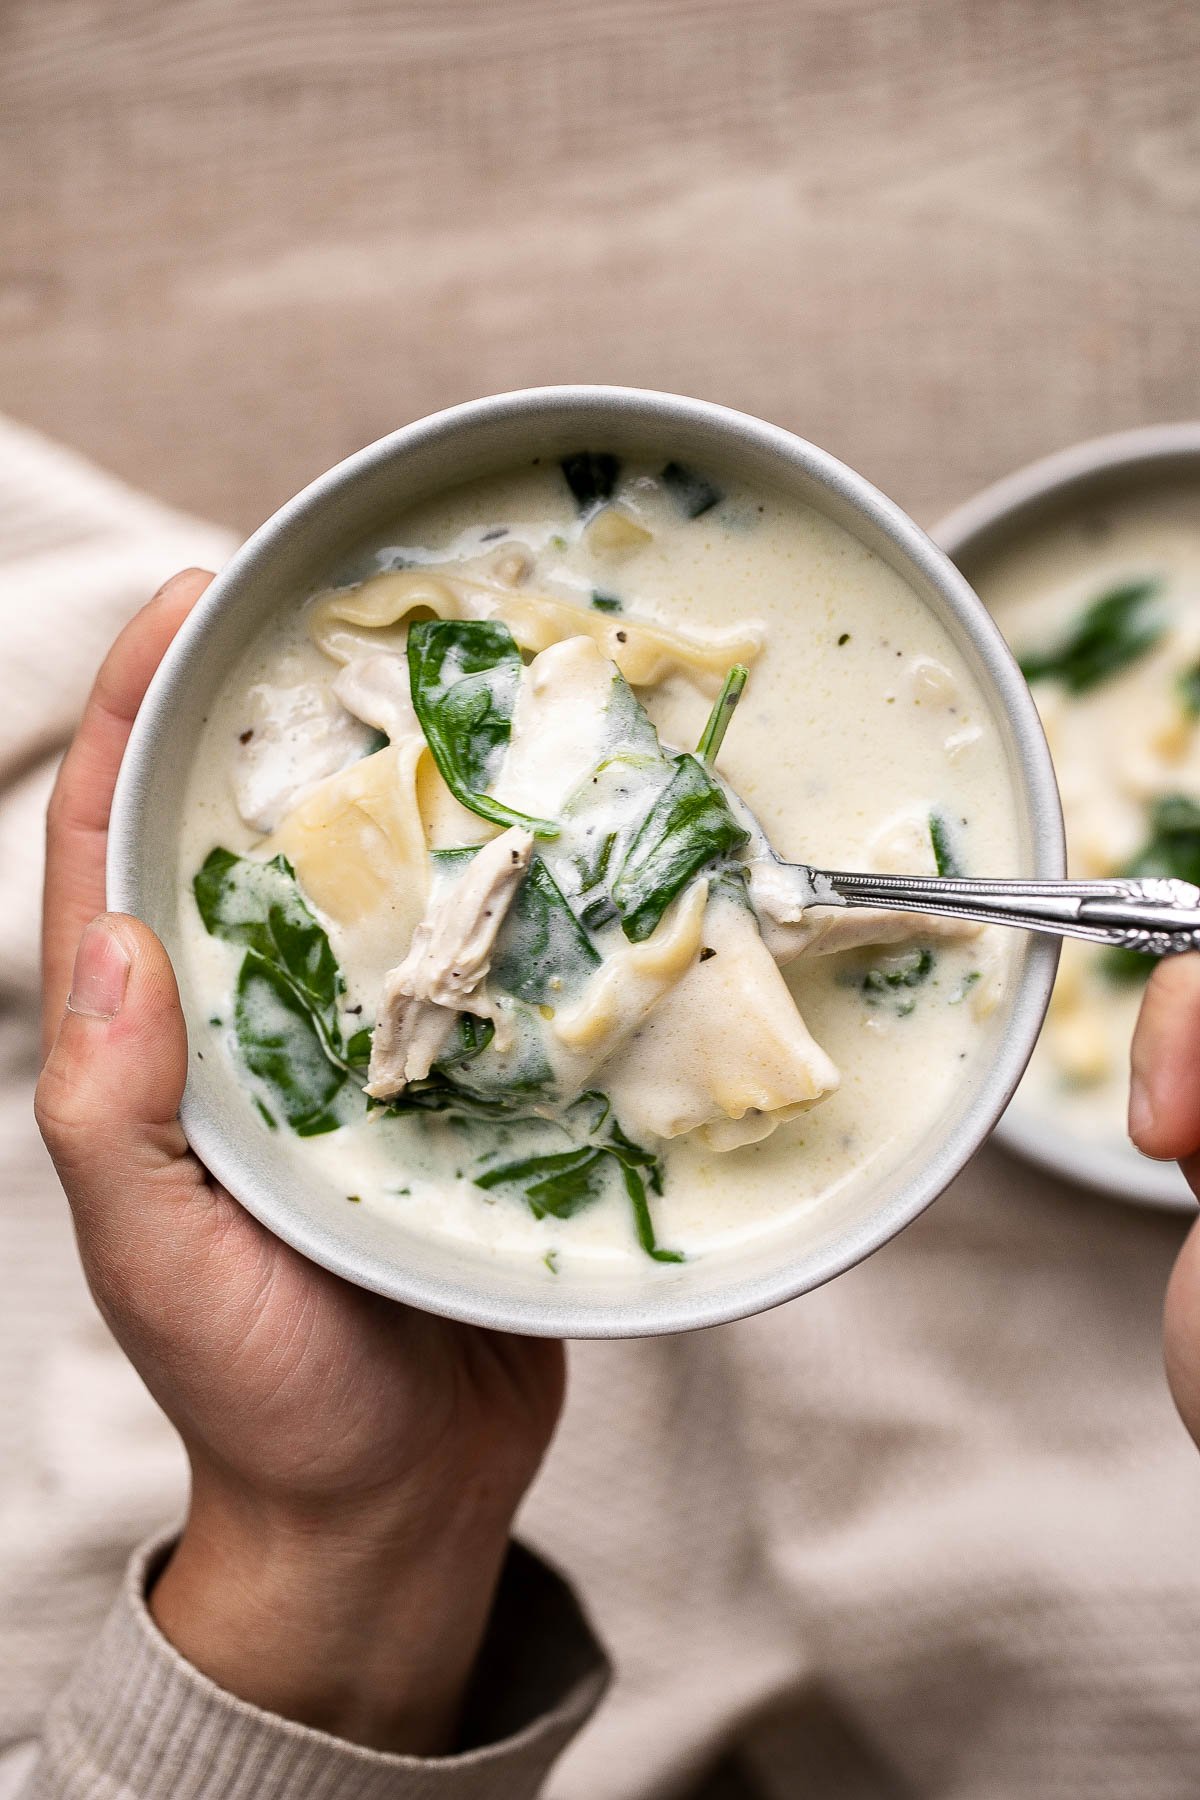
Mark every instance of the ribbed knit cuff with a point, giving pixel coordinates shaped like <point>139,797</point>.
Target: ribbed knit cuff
<point>137,1722</point>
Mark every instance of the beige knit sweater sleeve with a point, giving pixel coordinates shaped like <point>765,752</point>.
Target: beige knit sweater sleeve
<point>136,1722</point>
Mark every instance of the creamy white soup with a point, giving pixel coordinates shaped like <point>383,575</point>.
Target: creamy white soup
<point>480,868</point>
<point>1103,610</point>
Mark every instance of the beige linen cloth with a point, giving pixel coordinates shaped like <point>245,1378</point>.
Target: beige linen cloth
<point>930,1532</point>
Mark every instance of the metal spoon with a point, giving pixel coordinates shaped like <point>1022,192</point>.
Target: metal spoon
<point>1158,916</point>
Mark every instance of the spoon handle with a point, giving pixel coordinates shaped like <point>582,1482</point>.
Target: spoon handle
<point>1158,916</point>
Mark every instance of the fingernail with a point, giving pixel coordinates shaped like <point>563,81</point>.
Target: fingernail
<point>101,972</point>
<point>1141,1109</point>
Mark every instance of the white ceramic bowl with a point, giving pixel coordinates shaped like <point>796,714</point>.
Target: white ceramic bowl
<point>299,549</point>
<point>1082,477</point>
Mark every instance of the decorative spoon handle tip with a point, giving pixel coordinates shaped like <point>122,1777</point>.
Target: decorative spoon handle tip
<point>1155,915</point>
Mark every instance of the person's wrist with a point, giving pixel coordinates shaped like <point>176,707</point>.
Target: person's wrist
<point>364,1620</point>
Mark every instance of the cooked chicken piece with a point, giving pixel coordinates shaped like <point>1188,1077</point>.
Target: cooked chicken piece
<point>447,961</point>
<point>357,844</point>
<point>294,737</point>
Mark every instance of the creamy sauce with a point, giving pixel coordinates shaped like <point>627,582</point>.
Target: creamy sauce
<point>859,721</point>
<point>1119,746</point>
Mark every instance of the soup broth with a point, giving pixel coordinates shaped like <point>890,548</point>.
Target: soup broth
<point>1103,610</point>
<point>647,1058</point>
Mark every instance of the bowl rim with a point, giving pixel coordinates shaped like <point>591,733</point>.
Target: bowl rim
<point>654,1310</point>
<point>1028,495</point>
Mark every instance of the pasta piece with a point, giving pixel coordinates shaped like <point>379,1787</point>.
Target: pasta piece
<point>645,654</point>
<point>359,840</point>
<point>632,979</point>
<point>357,843</point>
<point>725,1043</point>
<point>447,821</point>
<point>1080,1047</point>
<point>351,622</point>
<point>751,1128</point>
<point>790,928</point>
<point>559,727</point>
<point>932,684</point>
<point>612,532</point>
<point>376,689</point>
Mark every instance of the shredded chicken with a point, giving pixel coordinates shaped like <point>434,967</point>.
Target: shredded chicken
<point>447,962</point>
<point>295,736</point>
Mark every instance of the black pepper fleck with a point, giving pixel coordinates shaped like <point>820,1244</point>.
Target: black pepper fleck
<point>706,953</point>
<point>245,736</point>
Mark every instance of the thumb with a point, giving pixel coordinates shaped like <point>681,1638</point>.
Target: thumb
<point>108,1097</point>
<point>1164,1101</point>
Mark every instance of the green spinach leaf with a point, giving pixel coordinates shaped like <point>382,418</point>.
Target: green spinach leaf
<point>440,1091</point>
<point>689,825</point>
<point>692,492</point>
<point>287,1018</point>
<point>593,864</point>
<point>473,1078</point>
<point>591,476</point>
<point>1114,631</point>
<point>464,675</point>
<point>542,951</point>
<point>560,1183</point>
<point>1171,850</point>
<point>945,853</point>
<point>259,904</point>
<point>629,731</point>
<point>718,720</point>
<point>282,1046</point>
<point>891,982</point>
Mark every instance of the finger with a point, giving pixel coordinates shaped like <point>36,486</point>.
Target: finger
<point>108,1097</point>
<point>77,823</point>
<point>1164,1096</point>
<point>1181,1332</point>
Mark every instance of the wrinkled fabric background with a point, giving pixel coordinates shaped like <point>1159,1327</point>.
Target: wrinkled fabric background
<point>931,1531</point>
